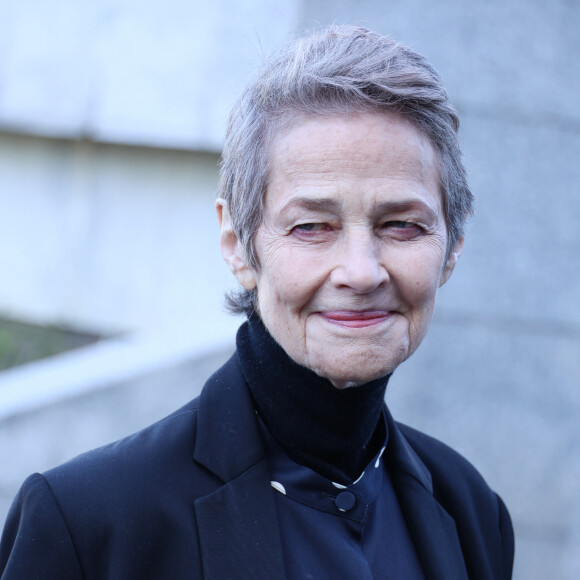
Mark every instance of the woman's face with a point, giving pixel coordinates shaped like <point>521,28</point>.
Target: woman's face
<point>352,245</point>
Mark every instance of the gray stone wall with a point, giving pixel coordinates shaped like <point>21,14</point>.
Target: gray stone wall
<point>497,377</point>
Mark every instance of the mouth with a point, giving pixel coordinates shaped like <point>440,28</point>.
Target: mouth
<point>355,318</point>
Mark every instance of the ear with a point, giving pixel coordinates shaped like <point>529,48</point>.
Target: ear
<point>232,250</point>
<point>451,261</point>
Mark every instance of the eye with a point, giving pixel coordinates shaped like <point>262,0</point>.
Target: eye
<point>403,230</point>
<point>312,231</point>
<point>314,227</point>
<point>400,224</point>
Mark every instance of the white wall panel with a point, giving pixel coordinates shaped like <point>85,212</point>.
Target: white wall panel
<point>157,73</point>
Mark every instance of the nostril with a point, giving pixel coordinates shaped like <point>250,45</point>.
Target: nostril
<point>362,275</point>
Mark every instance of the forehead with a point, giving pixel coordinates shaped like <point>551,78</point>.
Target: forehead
<point>373,150</point>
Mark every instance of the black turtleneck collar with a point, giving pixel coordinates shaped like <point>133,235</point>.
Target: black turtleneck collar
<point>335,432</point>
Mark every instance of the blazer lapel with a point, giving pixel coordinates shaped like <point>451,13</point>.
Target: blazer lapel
<point>238,523</point>
<point>239,532</point>
<point>432,529</point>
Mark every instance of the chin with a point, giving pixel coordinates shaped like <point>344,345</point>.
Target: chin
<point>341,385</point>
<point>359,367</point>
<point>346,378</point>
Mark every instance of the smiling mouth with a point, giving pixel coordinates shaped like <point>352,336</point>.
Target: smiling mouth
<point>354,318</point>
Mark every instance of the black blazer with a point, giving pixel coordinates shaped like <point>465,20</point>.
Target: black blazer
<point>189,497</point>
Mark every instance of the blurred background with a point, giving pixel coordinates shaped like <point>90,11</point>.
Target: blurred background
<point>112,116</point>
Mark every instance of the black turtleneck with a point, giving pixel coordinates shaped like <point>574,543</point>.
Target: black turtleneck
<point>335,432</point>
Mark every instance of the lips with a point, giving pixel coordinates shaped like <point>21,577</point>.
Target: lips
<point>355,318</point>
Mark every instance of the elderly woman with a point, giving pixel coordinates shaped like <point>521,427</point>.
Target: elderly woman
<point>343,201</point>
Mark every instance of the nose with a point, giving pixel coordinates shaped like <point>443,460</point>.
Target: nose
<point>358,263</point>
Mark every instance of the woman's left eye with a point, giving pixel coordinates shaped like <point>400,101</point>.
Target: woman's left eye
<point>399,224</point>
<point>314,227</point>
<point>403,229</point>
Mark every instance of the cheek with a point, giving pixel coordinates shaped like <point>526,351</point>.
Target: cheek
<point>425,289</point>
<point>291,278</point>
<point>421,285</point>
<point>278,292</point>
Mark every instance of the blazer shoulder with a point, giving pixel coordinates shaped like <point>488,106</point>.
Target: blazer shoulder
<point>123,510</point>
<point>134,472</point>
<point>131,476</point>
<point>163,439</point>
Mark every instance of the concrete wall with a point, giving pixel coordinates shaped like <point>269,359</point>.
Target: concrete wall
<point>109,238</point>
<point>155,73</point>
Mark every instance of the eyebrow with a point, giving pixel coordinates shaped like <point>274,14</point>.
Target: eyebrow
<point>328,204</point>
<point>387,207</point>
<point>314,204</point>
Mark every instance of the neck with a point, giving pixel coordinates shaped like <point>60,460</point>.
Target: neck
<point>335,432</point>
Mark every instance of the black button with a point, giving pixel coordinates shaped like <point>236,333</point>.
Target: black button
<point>345,501</point>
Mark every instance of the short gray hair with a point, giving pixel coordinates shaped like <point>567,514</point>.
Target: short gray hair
<point>336,70</point>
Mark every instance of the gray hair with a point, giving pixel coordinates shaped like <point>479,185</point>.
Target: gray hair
<point>337,70</point>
